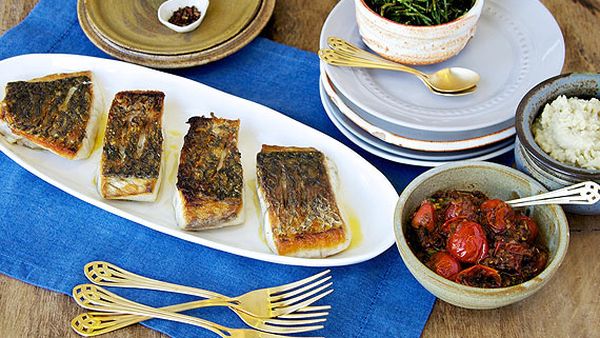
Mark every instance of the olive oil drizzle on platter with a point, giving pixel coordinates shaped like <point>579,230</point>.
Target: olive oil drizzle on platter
<point>348,214</point>
<point>102,120</point>
<point>172,147</point>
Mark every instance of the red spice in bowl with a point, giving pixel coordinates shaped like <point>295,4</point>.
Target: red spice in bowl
<point>185,16</point>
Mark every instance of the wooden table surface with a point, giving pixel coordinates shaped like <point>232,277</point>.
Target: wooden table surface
<point>569,306</point>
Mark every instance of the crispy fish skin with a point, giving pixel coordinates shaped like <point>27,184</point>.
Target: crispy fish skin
<point>210,177</point>
<point>300,214</point>
<point>131,162</point>
<point>57,112</point>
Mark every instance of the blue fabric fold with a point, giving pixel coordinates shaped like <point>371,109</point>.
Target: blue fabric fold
<point>46,235</point>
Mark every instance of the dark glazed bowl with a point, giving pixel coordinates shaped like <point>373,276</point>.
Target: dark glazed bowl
<point>531,158</point>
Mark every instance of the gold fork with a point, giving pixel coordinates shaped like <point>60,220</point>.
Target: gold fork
<point>262,303</point>
<point>96,323</point>
<point>98,299</point>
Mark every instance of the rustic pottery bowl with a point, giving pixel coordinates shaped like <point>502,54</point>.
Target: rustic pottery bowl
<point>415,45</point>
<point>531,159</point>
<point>496,181</point>
<point>166,10</point>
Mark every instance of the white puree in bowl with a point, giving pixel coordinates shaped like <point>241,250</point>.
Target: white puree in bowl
<point>569,131</point>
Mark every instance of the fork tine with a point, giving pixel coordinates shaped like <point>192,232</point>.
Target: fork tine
<point>293,285</point>
<point>289,309</point>
<point>290,330</point>
<point>297,315</point>
<point>299,290</point>
<point>293,322</point>
<point>291,301</point>
<point>315,308</point>
<point>272,335</point>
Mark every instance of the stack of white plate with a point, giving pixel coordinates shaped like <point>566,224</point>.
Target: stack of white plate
<point>393,115</point>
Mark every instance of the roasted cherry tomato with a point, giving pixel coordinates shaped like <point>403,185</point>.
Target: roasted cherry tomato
<point>510,255</point>
<point>450,225</point>
<point>425,216</point>
<point>461,208</point>
<point>444,264</point>
<point>512,247</point>
<point>499,215</point>
<point>529,226</point>
<point>480,276</point>
<point>467,242</point>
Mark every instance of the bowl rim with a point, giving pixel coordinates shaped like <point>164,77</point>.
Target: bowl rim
<point>525,134</point>
<point>510,292</point>
<point>537,167</point>
<point>473,8</point>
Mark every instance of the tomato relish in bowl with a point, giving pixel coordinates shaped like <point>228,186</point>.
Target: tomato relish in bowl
<point>515,237</point>
<point>476,241</point>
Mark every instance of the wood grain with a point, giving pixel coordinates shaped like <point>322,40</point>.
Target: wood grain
<point>569,306</point>
<point>13,11</point>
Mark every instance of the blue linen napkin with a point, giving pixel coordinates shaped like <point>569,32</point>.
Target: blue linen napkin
<point>46,235</point>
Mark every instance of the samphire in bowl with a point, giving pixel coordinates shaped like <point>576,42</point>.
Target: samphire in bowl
<point>416,45</point>
<point>530,157</point>
<point>496,181</point>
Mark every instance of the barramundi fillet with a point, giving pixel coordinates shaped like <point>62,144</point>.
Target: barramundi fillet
<point>209,178</point>
<point>300,214</point>
<point>131,162</point>
<point>57,112</point>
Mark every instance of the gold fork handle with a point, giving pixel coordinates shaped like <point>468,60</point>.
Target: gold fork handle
<point>366,56</point>
<point>97,323</point>
<point>156,313</point>
<point>97,298</point>
<point>88,325</point>
<point>334,58</point>
<point>107,274</point>
<point>343,47</point>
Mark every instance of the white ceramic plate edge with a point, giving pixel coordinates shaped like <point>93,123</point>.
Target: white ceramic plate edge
<point>328,106</point>
<point>409,143</point>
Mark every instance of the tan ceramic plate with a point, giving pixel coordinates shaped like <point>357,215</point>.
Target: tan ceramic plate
<point>134,25</point>
<point>214,53</point>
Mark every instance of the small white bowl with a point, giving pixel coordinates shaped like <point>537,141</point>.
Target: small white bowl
<point>415,45</point>
<point>166,10</point>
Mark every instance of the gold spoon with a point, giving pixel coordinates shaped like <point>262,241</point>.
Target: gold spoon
<point>451,81</point>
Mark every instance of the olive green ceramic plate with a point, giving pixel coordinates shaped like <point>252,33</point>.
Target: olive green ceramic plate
<point>214,53</point>
<point>134,25</point>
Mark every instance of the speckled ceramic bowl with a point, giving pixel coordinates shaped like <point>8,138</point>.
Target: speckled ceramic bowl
<point>415,45</point>
<point>497,181</point>
<point>531,159</point>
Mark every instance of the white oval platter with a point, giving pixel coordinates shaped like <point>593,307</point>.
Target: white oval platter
<point>364,194</point>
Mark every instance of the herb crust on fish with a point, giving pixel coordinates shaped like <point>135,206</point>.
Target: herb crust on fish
<point>57,112</point>
<point>300,213</point>
<point>131,163</point>
<point>210,178</point>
